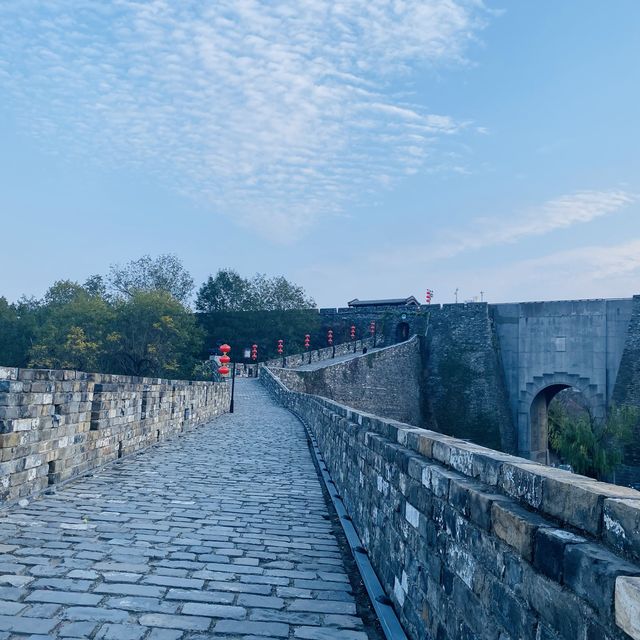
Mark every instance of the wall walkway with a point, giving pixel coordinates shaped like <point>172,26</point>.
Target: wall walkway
<point>223,533</point>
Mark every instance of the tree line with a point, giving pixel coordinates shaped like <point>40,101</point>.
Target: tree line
<point>137,319</point>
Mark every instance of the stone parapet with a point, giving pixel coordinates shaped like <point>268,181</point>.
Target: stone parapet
<point>385,381</point>
<point>56,425</point>
<point>473,543</point>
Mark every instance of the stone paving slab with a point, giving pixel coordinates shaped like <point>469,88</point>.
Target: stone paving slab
<point>222,533</point>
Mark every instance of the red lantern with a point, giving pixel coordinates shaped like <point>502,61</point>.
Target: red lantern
<point>372,328</point>
<point>224,359</point>
<point>254,352</point>
<point>353,331</point>
<point>307,341</point>
<point>280,346</point>
<point>330,337</point>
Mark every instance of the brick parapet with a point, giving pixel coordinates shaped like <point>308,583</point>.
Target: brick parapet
<point>56,424</point>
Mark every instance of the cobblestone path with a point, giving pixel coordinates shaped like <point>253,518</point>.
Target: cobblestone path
<point>222,534</point>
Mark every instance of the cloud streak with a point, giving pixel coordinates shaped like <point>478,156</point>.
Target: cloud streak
<point>273,113</point>
<point>562,212</point>
<point>559,213</point>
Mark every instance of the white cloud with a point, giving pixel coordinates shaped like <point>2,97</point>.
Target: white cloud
<point>559,213</point>
<point>274,113</point>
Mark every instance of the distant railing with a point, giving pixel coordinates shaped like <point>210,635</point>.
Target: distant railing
<point>326,353</point>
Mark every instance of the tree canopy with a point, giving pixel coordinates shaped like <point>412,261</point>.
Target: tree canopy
<point>153,334</point>
<point>162,273</point>
<point>593,447</point>
<point>71,327</point>
<point>229,291</point>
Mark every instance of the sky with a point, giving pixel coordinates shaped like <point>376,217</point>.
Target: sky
<point>361,148</point>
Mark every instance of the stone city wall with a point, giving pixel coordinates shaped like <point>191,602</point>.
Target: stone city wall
<point>386,382</point>
<point>464,380</point>
<point>56,425</point>
<point>473,543</point>
<point>627,392</point>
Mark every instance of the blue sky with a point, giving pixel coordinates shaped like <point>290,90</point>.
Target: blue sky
<point>362,148</point>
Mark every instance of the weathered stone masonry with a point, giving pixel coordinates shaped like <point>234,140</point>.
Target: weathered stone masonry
<point>386,382</point>
<point>56,425</point>
<point>473,543</point>
<point>627,391</point>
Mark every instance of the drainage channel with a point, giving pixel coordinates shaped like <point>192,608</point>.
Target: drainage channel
<point>381,603</point>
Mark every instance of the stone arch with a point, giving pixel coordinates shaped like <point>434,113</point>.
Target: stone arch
<point>533,431</point>
<point>403,331</point>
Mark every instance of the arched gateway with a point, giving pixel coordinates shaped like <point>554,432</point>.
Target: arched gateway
<point>533,417</point>
<point>548,346</point>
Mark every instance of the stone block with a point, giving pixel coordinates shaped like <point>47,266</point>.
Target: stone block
<point>480,503</point>
<point>10,399</point>
<point>439,479</point>
<point>554,605</point>
<point>516,526</point>
<point>549,548</point>
<point>512,613</point>
<point>591,571</point>
<point>521,480</point>
<point>627,606</point>
<point>621,525</point>
<point>9,373</point>
<point>421,442</point>
<point>578,501</point>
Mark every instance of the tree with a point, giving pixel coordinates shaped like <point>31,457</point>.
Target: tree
<point>96,286</point>
<point>153,334</point>
<point>278,294</point>
<point>71,329</point>
<point>228,291</point>
<point>18,324</point>
<point>163,273</point>
<point>592,447</point>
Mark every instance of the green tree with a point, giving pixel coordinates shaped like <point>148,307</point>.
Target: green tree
<point>72,325</point>
<point>153,334</point>
<point>96,286</point>
<point>278,294</point>
<point>228,291</point>
<point>592,447</point>
<point>162,273</point>
<point>18,325</point>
